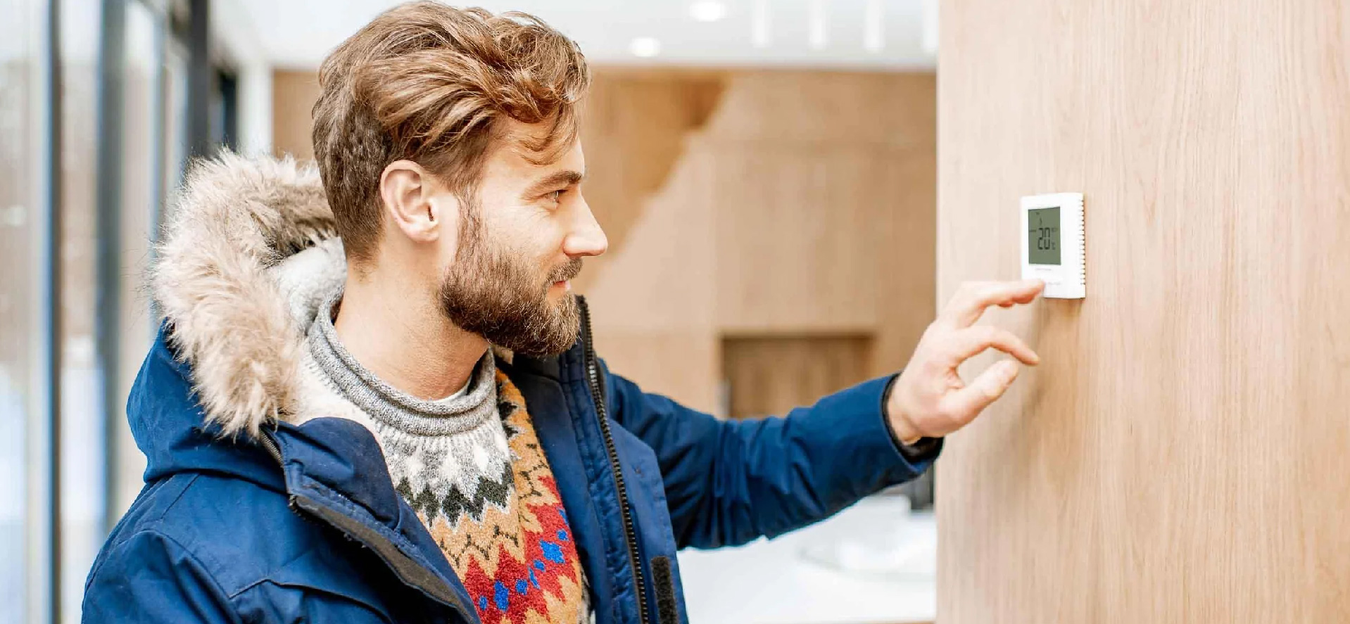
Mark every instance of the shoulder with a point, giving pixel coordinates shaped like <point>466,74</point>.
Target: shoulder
<point>240,543</point>
<point>239,533</point>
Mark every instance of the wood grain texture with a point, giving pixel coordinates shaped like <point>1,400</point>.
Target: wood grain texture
<point>633,130</point>
<point>769,375</point>
<point>659,283</point>
<point>1180,456</point>
<point>811,184</point>
<point>293,95</point>
<point>804,204</point>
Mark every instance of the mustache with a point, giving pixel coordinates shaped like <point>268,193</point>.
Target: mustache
<point>566,272</point>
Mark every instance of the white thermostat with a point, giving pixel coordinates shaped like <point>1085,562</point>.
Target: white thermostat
<point>1052,244</point>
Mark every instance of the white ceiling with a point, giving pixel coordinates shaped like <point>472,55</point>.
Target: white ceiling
<point>299,33</point>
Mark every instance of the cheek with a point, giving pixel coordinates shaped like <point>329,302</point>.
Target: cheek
<point>528,237</point>
<point>538,242</point>
<point>522,258</point>
<point>448,249</point>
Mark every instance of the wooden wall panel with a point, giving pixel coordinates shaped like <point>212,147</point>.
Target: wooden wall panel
<point>652,302</point>
<point>905,255</point>
<point>683,364</point>
<point>1180,455</point>
<point>769,375</point>
<point>803,205</point>
<point>808,199</point>
<point>634,127</point>
<point>293,95</point>
<point>795,238</point>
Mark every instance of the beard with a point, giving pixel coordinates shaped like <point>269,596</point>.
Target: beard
<point>503,298</point>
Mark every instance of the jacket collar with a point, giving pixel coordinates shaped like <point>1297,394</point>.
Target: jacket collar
<point>331,469</point>
<point>334,471</point>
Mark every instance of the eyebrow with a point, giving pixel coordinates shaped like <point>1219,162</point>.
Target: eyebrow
<point>567,178</point>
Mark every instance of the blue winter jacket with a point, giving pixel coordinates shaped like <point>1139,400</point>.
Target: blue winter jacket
<point>302,524</point>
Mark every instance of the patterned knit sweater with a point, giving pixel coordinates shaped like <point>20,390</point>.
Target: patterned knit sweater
<point>472,468</point>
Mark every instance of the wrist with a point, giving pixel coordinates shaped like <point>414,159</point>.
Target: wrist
<point>902,430</point>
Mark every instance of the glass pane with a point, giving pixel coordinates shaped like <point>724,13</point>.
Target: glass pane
<point>175,120</point>
<point>140,201</point>
<point>81,423</point>
<point>20,339</point>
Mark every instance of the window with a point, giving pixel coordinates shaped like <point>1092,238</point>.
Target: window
<point>56,151</point>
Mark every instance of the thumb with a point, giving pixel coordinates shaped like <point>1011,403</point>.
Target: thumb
<point>969,401</point>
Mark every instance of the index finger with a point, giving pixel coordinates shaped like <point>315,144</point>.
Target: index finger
<point>969,303</point>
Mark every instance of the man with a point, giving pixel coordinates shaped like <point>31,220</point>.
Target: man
<point>374,399</point>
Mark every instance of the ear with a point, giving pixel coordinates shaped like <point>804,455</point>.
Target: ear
<point>413,199</point>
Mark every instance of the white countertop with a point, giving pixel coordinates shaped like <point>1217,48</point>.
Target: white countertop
<point>883,572</point>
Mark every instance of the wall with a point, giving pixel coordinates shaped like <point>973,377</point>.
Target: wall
<point>743,204</point>
<point>238,41</point>
<point>769,375</point>
<point>803,206</point>
<point>1180,456</point>
<point>293,95</point>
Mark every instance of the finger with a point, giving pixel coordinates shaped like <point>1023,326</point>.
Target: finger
<point>967,403</point>
<point>970,301</point>
<point>974,340</point>
<point>973,297</point>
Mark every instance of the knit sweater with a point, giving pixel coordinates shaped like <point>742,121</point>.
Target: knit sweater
<point>472,469</point>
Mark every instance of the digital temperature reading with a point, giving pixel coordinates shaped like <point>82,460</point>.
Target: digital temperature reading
<point>1043,236</point>
<point>1053,243</point>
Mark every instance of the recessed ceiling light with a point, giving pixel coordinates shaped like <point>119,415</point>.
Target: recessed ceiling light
<point>816,24</point>
<point>708,10</point>
<point>930,27</point>
<point>759,23</point>
<point>645,47</point>
<point>873,39</point>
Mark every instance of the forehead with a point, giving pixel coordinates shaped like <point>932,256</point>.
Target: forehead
<point>510,161</point>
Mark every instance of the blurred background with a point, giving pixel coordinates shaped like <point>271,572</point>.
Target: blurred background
<point>765,171</point>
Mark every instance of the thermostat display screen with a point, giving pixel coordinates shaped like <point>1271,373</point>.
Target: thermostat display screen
<point>1043,236</point>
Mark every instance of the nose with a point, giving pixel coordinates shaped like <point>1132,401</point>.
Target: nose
<point>586,237</point>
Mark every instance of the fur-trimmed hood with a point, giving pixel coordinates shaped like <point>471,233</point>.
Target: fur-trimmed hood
<point>249,255</point>
<point>234,289</point>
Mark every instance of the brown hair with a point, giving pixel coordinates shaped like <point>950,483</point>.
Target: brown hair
<point>431,83</point>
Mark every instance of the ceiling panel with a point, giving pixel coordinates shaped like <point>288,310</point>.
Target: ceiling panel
<point>299,33</point>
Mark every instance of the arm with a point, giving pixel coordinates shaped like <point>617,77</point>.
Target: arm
<point>729,482</point>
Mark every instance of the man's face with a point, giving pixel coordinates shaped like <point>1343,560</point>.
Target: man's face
<point>520,243</point>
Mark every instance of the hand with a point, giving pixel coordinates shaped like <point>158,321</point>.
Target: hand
<point>929,399</point>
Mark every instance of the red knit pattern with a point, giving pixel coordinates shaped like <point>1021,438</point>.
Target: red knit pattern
<point>519,564</point>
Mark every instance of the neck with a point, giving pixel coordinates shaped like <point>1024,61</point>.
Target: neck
<point>397,331</point>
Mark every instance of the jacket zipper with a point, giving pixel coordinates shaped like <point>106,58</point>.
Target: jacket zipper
<point>270,446</point>
<point>629,530</point>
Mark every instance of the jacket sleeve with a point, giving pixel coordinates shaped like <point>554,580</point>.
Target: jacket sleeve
<point>151,578</point>
<point>729,482</point>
